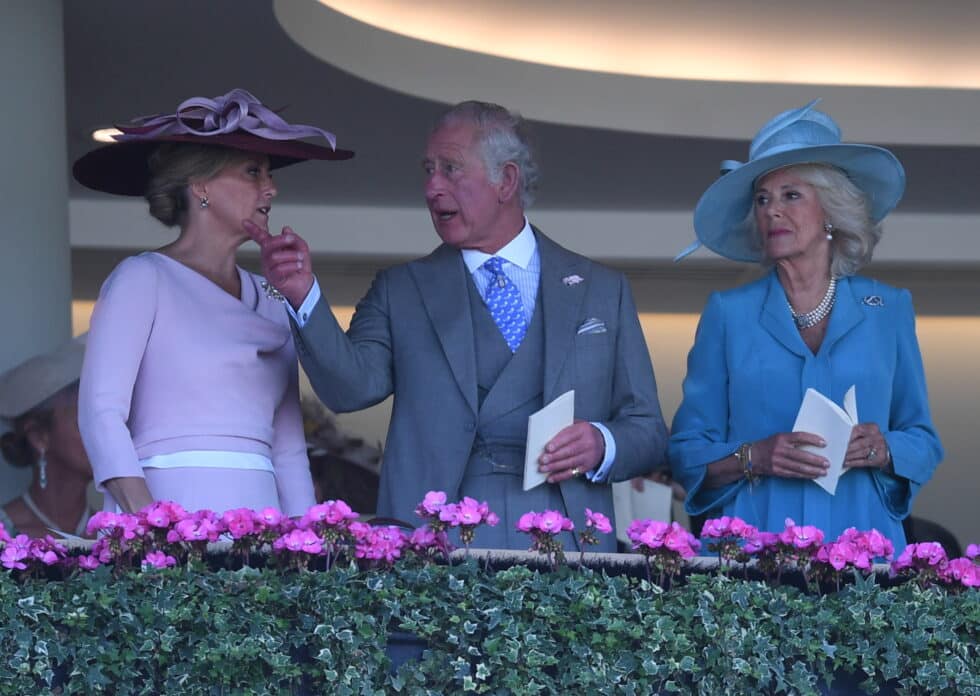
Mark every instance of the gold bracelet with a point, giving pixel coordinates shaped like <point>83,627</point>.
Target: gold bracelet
<point>744,456</point>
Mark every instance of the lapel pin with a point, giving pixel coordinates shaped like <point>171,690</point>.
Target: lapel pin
<point>873,301</point>
<point>572,280</point>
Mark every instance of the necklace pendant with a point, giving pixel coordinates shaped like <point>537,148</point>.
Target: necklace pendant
<point>805,320</point>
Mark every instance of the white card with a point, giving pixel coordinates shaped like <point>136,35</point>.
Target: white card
<point>541,427</point>
<point>821,416</point>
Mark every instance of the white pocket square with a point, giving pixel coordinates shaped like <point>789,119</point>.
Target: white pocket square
<point>592,326</point>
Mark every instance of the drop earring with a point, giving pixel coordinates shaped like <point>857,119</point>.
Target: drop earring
<point>204,202</point>
<point>829,229</point>
<point>42,471</point>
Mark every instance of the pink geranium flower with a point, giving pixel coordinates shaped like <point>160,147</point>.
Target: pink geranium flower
<point>89,562</point>
<point>594,522</point>
<point>425,540</point>
<point>963,571</point>
<point>164,513</point>
<point>717,528</point>
<point>553,522</point>
<point>158,559</point>
<point>300,541</point>
<point>681,541</point>
<point>804,537</point>
<point>16,551</point>
<point>121,526</point>
<point>598,520</point>
<point>545,528</point>
<point>928,559</point>
<point>269,516</point>
<point>378,544</point>
<point>334,513</point>
<point>431,504</point>
<point>664,545</point>
<point>735,539</point>
<point>527,522</point>
<point>467,514</point>
<point>239,522</point>
<point>760,541</point>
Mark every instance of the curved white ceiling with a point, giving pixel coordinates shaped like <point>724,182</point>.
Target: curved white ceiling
<point>889,70</point>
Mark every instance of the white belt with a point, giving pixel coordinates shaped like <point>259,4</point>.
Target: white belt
<point>209,459</point>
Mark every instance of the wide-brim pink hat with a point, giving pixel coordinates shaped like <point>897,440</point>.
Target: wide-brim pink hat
<point>234,120</point>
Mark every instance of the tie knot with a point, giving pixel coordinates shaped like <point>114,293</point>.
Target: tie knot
<point>494,264</point>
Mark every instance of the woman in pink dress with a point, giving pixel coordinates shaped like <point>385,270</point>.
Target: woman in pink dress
<point>189,390</point>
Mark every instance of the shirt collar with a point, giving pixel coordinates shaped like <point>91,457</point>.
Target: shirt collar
<point>518,251</point>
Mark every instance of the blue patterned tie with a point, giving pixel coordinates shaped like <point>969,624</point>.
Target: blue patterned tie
<point>504,301</point>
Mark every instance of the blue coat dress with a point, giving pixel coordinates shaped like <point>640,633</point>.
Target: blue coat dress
<point>746,377</point>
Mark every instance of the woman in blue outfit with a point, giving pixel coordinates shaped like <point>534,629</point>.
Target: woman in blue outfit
<point>808,207</point>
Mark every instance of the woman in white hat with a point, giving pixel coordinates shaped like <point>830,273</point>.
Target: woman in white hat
<point>809,207</point>
<point>39,399</point>
<point>190,386</point>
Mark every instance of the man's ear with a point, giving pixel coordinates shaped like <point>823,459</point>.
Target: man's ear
<point>510,182</point>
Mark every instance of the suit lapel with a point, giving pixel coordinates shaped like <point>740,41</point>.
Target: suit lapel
<point>560,304</point>
<point>777,321</point>
<point>845,315</point>
<point>441,279</point>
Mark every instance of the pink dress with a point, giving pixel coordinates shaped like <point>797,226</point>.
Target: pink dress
<point>174,365</point>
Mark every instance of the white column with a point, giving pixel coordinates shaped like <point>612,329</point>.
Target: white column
<point>35,273</point>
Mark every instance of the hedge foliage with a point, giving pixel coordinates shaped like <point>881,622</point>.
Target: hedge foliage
<point>515,631</point>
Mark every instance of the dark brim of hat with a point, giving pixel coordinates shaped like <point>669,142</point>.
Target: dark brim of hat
<point>121,168</point>
<point>723,208</point>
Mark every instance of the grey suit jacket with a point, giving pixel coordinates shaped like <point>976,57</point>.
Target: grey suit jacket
<point>412,335</point>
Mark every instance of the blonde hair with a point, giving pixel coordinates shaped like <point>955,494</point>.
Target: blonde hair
<point>845,206</point>
<point>173,166</point>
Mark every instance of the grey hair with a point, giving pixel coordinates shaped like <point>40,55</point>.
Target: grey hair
<point>845,206</point>
<point>504,137</point>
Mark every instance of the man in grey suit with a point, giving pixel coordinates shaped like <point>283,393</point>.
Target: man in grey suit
<point>481,333</point>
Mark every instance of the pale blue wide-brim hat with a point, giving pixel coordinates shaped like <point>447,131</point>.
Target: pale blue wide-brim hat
<point>797,136</point>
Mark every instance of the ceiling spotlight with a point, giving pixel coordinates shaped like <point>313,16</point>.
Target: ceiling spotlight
<point>106,135</point>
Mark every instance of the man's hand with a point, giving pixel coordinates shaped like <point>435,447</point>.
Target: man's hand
<point>286,262</point>
<point>575,450</point>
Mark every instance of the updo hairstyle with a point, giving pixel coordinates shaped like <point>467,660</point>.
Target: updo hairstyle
<point>173,166</point>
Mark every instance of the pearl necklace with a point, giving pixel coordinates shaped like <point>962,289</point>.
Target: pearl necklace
<point>49,523</point>
<point>816,315</point>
